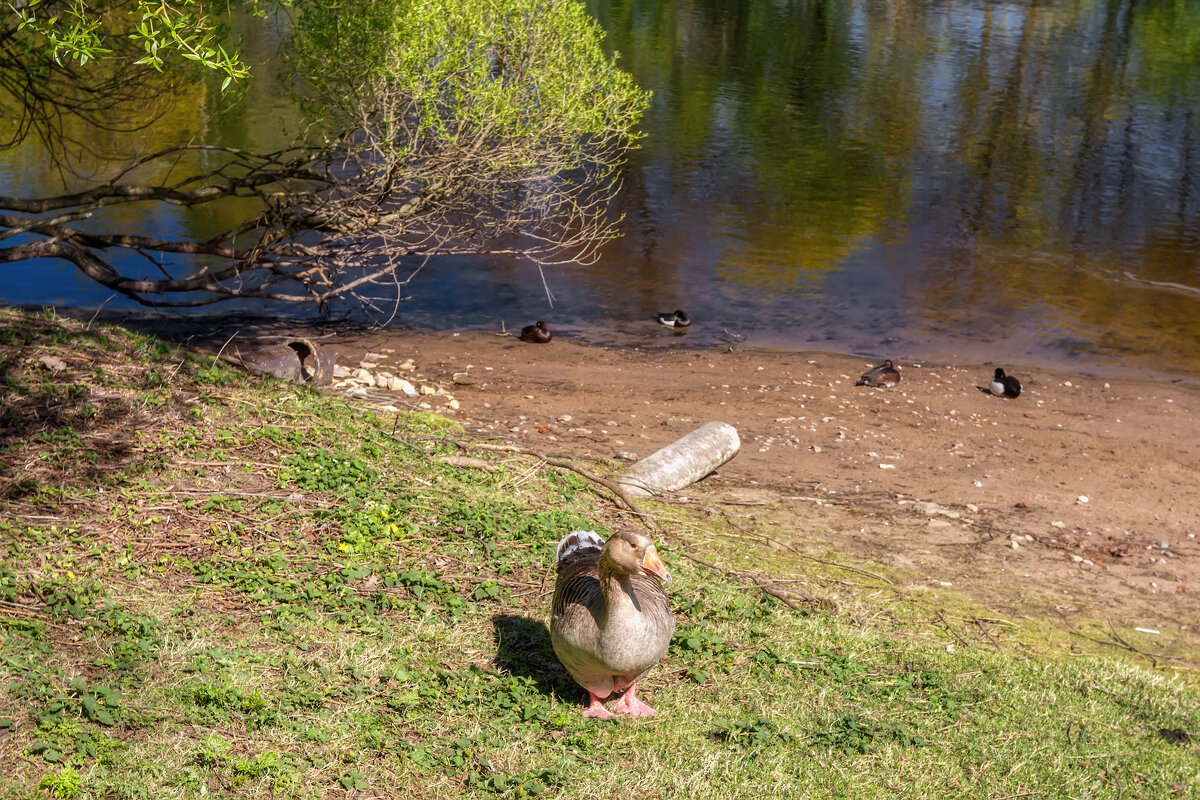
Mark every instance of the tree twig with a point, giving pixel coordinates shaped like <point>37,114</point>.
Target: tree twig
<point>951,631</point>
<point>1124,645</point>
<point>986,633</point>
<point>827,563</point>
<point>562,464</point>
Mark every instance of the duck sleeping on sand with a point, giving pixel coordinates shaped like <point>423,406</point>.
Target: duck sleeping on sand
<point>1004,385</point>
<point>611,621</point>
<point>537,333</point>
<point>884,376</point>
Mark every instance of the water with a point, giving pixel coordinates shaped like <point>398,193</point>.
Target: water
<point>1010,180</point>
<point>1003,181</point>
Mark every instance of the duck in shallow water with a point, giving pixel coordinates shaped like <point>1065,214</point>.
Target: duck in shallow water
<point>1004,385</point>
<point>677,319</point>
<point>611,621</point>
<point>538,333</point>
<point>884,376</point>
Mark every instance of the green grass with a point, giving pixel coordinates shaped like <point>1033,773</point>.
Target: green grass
<point>217,585</point>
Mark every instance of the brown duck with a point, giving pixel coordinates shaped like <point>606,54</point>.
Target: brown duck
<point>884,376</point>
<point>611,621</point>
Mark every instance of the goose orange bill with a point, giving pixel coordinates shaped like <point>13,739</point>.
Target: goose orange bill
<point>652,563</point>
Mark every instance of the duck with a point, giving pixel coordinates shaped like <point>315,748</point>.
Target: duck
<point>1004,385</point>
<point>537,333</point>
<point>610,621</point>
<point>886,375</point>
<point>677,319</point>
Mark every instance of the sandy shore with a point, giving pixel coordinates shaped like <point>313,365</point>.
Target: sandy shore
<point>1080,497</point>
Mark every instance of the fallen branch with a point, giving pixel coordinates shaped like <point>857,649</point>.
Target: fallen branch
<point>986,633</point>
<point>561,464</point>
<point>951,631</point>
<point>779,597</point>
<point>704,563</point>
<point>785,545</point>
<point>837,564</point>
<point>1124,645</point>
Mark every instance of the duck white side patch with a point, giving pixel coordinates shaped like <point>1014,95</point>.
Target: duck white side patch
<point>576,541</point>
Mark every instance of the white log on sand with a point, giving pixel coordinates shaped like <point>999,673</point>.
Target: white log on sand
<point>683,462</point>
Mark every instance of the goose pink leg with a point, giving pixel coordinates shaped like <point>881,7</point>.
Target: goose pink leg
<point>629,704</point>
<point>596,709</point>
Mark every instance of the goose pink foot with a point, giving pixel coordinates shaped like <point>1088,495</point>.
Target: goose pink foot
<point>596,709</point>
<point>629,704</point>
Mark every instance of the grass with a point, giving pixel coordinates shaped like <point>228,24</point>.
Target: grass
<point>218,585</point>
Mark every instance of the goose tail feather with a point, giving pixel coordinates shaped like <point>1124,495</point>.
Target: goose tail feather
<point>577,541</point>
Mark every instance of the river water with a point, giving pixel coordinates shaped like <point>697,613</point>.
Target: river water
<point>1007,181</point>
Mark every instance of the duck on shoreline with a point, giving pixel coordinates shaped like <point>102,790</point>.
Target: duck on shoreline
<point>1004,385</point>
<point>677,319</point>
<point>537,333</point>
<point>885,376</point>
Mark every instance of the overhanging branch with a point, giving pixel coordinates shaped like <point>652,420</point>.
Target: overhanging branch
<point>330,220</point>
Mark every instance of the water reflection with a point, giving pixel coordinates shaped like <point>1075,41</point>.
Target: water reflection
<point>915,177</point>
<point>1001,179</point>
<point>260,119</point>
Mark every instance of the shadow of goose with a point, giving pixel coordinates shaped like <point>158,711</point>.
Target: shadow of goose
<point>523,648</point>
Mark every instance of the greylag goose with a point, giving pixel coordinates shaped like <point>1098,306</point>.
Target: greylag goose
<point>884,376</point>
<point>611,621</point>
<point>537,333</point>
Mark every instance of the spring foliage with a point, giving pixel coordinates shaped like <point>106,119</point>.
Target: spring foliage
<point>446,127</point>
<point>505,69</point>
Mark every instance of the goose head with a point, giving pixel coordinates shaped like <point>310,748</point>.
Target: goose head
<point>630,553</point>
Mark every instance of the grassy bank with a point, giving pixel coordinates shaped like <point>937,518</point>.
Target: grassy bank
<point>221,585</point>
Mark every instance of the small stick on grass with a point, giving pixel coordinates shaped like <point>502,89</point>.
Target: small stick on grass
<point>561,464</point>
<point>779,597</point>
<point>705,564</point>
<point>837,564</point>
<point>951,631</point>
<point>1124,645</point>
<point>986,633</point>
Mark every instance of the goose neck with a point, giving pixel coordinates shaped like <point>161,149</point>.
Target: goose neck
<point>615,584</point>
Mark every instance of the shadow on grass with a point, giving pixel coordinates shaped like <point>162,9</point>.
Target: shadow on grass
<point>523,648</point>
<point>56,426</point>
